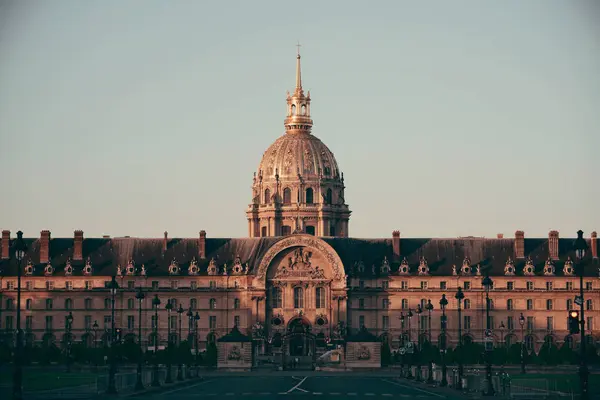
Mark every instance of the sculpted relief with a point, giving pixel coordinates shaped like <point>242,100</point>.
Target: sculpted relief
<point>298,264</point>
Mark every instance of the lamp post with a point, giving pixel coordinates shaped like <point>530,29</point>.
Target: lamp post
<point>196,319</point>
<point>409,316</point>
<point>95,329</point>
<point>169,308</point>
<point>179,366</point>
<point>459,296</point>
<point>402,319</point>
<point>580,246</point>
<point>112,388</point>
<point>429,308</point>
<point>443,304</point>
<point>191,330</point>
<point>139,384</point>
<point>155,304</point>
<point>68,327</point>
<point>488,284</point>
<point>20,250</point>
<point>503,345</point>
<point>522,323</point>
<point>418,311</point>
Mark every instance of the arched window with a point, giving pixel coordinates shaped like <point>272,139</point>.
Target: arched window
<point>193,303</point>
<point>467,304</point>
<point>267,196</point>
<point>320,297</point>
<point>212,304</point>
<point>549,304</point>
<point>87,304</point>
<point>287,196</point>
<point>276,299</point>
<point>298,297</point>
<point>106,303</point>
<point>68,304</point>
<point>328,196</point>
<point>303,109</point>
<point>28,304</point>
<point>293,109</point>
<point>236,304</point>
<point>509,304</point>
<point>309,196</point>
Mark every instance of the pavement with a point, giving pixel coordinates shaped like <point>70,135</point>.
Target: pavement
<point>312,386</point>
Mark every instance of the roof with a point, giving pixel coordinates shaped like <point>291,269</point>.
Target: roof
<point>234,336</point>
<point>363,335</point>
<point>106,254</point>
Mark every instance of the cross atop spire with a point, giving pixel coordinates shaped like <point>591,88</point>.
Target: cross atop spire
<point>298,46</point>
<point>298,71</point>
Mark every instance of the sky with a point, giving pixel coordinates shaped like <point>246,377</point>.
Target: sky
<point>462,118</point>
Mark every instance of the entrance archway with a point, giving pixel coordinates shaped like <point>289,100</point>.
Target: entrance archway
<point>299,350</point>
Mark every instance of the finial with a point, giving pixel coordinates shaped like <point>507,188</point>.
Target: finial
<point>298,72</point>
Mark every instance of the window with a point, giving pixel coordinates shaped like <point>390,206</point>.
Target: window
<point>309,196</point>
<point>107,303</point>
<point>87,304</point>
<point>9,323</point>
<point>491,303</point>
<point>28,323</point>
<point>9,304</point>
<point>385,285</point>
<point>69,285</point>
<point>287,196</point>
<point>423,285</point>
<point>173,322</point>
<point>590,323</point>
<point>212,304</point>
<point>510,323</point>
<point>298,297</point>
<point>28,304</point>
<point>263,231</point>
<point>589,304</point>
<point>154,285</point>
<point>510,285</point>
<point>130,322</point>
<point>89,285</point>
<point>404,285</point>
<point>385,304</point>
<point>130,304</point>
<point>49,285</point>
<point>549,323</point>
<point>194,285</point>
<point>87,322</point>
<point>361,321</point>
<point>549,304</point>
<point>276,297</point>
<point>588,286</point>
<point>443,285</point>
<point>467,304</point>
<point>467,285</point>
<point>48,304</point>
<point>509,304</point>
<point>267,199</point>
<point>385,322</point>
<point>153,321</point>
<point>529,342</point>
<point>548,285</point>
<point>404,304</point>
<point>286,230</point>
<point>310,230</point>
<point>212,284</point>
<point>490,322</point>
<point>361,284</point>
<point>236,320</point>
<point>212,322</point>
<point>467,320</point>
<point>569,286</point>
<point>29,285</point>
<point>569,304</point>
<point>328,196</point>
<point>320,297</point>
<point>10,285</point>
<point>193,303</point>
<point>424,322</point>
<point>68,304</point>
<point>529,285</point>
<point>173,303</point>
<point>49,322</point>
<point>423,303</point>
<point>361,303</point>
<point>530,324</point>
<point>174,284</point>
<point>529,304</point>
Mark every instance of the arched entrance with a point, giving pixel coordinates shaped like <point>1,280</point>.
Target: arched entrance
<point>299,345</point>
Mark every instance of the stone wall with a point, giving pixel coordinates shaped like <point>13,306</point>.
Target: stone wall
<point>363,355</point>
<point>234,355</point>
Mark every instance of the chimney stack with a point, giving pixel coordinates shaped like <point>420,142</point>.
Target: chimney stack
<point>202,245</point>
<point>519,245</point>
<point>594,245</point>
<point>78,246</point>
<point>553,245</point>
<point>500,236</point>
<point>396,244</point>
<point>44,247</point>
<point>5,245</point>
<point>165,241</point>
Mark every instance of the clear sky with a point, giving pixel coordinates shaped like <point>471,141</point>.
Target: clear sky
<point>447,118</point>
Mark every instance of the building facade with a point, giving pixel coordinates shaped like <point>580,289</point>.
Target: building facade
<point>298,281</point>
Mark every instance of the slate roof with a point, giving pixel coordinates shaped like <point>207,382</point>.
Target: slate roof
<point>363,335</point>
<point>105,254</point>
<point>234,336</point>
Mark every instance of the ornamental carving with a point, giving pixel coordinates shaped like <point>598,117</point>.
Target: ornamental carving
<point>568,268</point>
<point>29,268</point>
<point>509,267</point>
<point>549,268</point>
<point>234,354</point>
<point>87,269</point>
<point>237,266</point>
<point>529,268</point>
<point>48,270</point>
<point>143,270</point>
<point>404,267</point>
<point>212,267</point>
<point>174,268</point>
<point>478,270</point>
<point>68,268</point>
<point>385,266</point>
<point>193,269</point>
<point>423,267</point>
<point>363,353</point>
<point>130,269</point>
<point>466,267</point>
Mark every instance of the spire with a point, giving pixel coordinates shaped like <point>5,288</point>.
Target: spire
<point>298,71</point>
<point>298,105</point>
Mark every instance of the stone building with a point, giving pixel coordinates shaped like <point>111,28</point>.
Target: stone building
<point>298,281</point>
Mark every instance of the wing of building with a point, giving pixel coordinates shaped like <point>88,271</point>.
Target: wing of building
<point>298,282</point>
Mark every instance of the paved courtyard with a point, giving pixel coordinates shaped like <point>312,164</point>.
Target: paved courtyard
<point>272,387</point>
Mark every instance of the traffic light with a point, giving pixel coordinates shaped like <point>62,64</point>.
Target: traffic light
<point>573,322</point>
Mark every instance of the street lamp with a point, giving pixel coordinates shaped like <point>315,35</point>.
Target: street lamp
<point>418,311</point>
<point>180,366</point>
<point>196,319</point>
<point>488,284</point>
<point>409,316</point>
<point>169,307</point>
<point>443,304</point>
<point>155,304</point>
<point>112,389</point>
<point>429,308</point>
<point>191,330</point>
<point>503,346</point>
<point>580,246</point>
<point>459,296</point>
<point>68,327</point>
<point>95,329</point>
<point>139,384</point>
<point>20,250</point>
<point>522,323</point>
<point>402,319</point>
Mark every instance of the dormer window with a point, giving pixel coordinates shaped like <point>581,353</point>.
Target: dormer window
<point>193,270</point>
<point>130,270</point>
<point>404,268</point>
<point>49,270</point>
<point>174,268</point>
<point>385,266</point>
<point>509,267</point>
<point>549,267</point>
<point>466,267</point>
<point>568,268</point>
<point>87,269</point>
<point>423,267</point>
<point>529,268</point>
<point>68,268</point>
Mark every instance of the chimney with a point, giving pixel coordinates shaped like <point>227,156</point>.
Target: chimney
<point>519,244</point>
<point>593,245</point>
<point>396,244</point>
<point>5,245</point>
<point>44,247</point>
<point>500,236</point>
<point>165,241</point>
<point>553,245</point>
<point>202,245</point>
<point>78,246</point>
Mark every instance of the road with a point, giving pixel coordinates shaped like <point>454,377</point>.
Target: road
<point>283,387</point>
